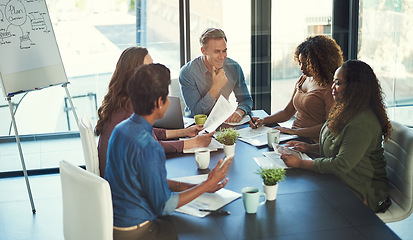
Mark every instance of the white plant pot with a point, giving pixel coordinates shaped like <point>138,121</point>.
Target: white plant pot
<point>229,150</point>
<point>270,191</point>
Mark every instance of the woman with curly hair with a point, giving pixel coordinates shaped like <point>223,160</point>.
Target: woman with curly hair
<point>318,57</point>
<point>351,140</point>
<point>116,107</point>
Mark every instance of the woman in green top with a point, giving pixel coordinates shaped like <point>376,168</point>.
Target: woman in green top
<point>350,144</point>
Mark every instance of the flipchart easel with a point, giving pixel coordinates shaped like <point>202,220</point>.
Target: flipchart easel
<point>19,144</point>
<point>30,58</point>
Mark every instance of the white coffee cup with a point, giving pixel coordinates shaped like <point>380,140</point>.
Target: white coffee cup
<point>273,136</point>
<point>202,158</point>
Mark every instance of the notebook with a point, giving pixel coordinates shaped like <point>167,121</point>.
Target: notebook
<point>211,201</point>
<point>173,116</point>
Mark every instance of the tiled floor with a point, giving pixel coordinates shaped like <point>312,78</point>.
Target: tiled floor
<point>16,218</point>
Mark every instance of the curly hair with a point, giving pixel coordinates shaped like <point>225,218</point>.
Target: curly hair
<point>323,56</point>
<point>117,97</point>
<point>361,90</point>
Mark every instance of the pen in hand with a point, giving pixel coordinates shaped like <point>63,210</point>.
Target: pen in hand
<point>212,135</point>
<point>253,121</point>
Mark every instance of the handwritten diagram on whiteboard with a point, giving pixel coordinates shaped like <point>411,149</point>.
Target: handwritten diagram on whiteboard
<point>27,40</point>
<point>29,55</point>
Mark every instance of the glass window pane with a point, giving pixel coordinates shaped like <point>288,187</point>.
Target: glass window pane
<point>91,35</point>
<point>385,43</point>
<point>162,32</point>
<point>289,29</point>
<point>234,18</point>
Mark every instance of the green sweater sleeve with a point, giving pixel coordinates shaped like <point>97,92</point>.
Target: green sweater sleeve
<point>356,157</point>
<point>343,153</point>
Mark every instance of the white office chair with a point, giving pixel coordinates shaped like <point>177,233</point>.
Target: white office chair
<point>175,90</point>
<point>87,204</point>
<point>89,145</point>
<point>398,152</point>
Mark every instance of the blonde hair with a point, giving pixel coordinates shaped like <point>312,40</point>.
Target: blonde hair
<point>211,33</point>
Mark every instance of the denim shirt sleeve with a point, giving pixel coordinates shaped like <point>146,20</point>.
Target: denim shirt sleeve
<point>195,80</point>
<point>136,173</point>
<point>197,104</point>
<point>346,151</point>
<point>171,204</point>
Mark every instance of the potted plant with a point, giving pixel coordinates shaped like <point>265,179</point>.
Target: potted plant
<point>270,177</point>
<point>227,137</point>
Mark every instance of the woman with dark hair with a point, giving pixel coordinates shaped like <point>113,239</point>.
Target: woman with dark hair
<point>318,57</point>
<point>116,107</point>
<point>351,140</point>
<point>141,193</point>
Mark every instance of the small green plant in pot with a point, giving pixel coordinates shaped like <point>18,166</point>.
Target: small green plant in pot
<point>227,137</point>
<point>270,177</point>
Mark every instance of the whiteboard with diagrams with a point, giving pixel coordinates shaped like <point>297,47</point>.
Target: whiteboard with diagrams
<point>29,55</point>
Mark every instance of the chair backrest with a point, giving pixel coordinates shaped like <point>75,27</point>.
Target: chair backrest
<point>87,204</point>
<point>398,152</point>
<point>89,145</point>
<point>175,90</point>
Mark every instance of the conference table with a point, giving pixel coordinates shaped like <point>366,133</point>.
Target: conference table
<point>308,205</point>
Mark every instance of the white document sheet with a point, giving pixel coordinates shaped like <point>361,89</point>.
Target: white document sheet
<point>258,136</point>
<point>188,122</point>
<point>265,162</point>
<point>273,160</point>
<point>270,160</point>
<point>221,112</point>
<point>211,201</point>
<point>253,133</point>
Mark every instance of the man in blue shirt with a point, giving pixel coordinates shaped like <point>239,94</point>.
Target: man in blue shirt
<point>135,170</point>
<point>207,77</point>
